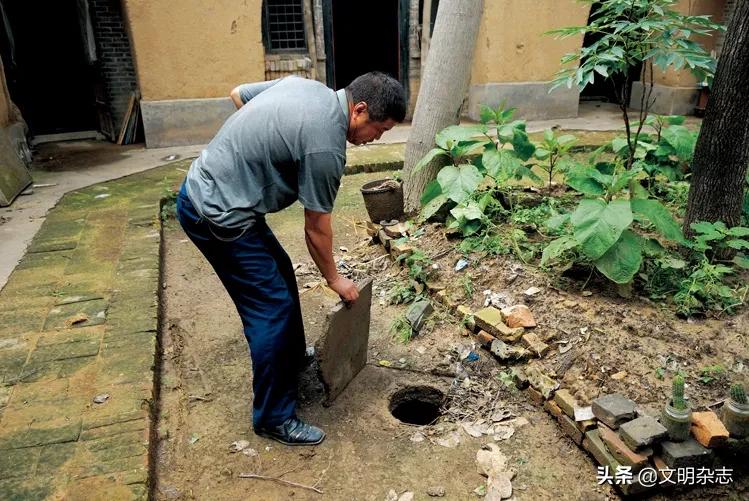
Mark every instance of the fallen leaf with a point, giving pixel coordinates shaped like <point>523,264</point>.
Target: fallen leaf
<point>472,430</point>
<point>239,445</point>
<point>619,375</point>
<point>502,432</point>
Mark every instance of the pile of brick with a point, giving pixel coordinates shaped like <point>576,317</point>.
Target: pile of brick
<point>501,331</point>
<point>617,433</point>
<point>621,437</point>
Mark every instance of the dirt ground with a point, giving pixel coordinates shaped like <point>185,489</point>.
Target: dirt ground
<point>205,401</point>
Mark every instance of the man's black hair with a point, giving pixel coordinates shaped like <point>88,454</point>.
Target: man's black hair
<point>384,95</point>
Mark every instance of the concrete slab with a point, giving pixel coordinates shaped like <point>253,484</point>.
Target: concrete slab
<point>342,349</point>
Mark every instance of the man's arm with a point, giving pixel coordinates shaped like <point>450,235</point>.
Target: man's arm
<point>236,98</point>
<point>241,94</point>
<point>318,233</point>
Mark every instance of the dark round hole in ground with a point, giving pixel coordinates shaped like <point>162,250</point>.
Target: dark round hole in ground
<point>418,405</point>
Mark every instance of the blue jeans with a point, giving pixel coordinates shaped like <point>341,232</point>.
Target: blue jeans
<point>258,275</point>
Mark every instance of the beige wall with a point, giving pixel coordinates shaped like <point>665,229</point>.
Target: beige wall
<point>713,8</point>
<point>511,45</point>
<point>195,49</point>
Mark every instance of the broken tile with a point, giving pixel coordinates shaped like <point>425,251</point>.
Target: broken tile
<point>708,429</point>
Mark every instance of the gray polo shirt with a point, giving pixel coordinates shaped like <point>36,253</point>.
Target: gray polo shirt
<point>287,143</point>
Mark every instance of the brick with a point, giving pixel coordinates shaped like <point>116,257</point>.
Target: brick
<point>620,450</point>
<point>384,239</point>
<point>566,401</point>
<point>399,250</point>
<point>642,432</point>
<point>536,396</point>
<point>685,454</point>
<point>40,436</point>
<point>465,314</point>
<point>490,320</point>
<point>666,476</point>
<point>484,338</point>
<point>613,410</point>
<point>534,343</point>
<point>552,408</point>
<point>708,429</point>
<point>594,445</point>
<point>570,429</point>
<point>508,353</point>
<point>521,380</point>
<point>586,425</point>
<point>541,382</point>
<point>518,316</point>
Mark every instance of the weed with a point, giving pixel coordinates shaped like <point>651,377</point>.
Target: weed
<point>169,204</point>
<point>400,329</point>
<point>506,378</point>
<point>711,373</point>
<point>467,283</point>
<point>402,294</point>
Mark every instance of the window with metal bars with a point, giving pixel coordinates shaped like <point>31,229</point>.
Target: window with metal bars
<point>283,26</point>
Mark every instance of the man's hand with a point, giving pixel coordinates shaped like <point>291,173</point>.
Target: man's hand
<point>318,233</point>
<point>345,288</point>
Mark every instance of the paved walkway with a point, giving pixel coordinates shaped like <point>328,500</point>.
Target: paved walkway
<point>79,319</point>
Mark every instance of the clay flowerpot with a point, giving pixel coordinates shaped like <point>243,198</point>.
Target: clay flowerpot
<point>383,200</point>
<point>678,422</point>
<point>736,418</point>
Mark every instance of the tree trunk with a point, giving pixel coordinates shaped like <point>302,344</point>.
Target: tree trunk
<point>444,83</point>
<point>721,155</point>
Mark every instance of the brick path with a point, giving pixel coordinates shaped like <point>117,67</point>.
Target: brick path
<point>78,318</point>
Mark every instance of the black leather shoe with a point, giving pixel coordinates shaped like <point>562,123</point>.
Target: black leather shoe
<point>293,431</point>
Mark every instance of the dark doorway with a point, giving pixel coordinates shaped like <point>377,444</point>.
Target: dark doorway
<point>366,37</point>
<point>606,89</point>
<point>47,65</point>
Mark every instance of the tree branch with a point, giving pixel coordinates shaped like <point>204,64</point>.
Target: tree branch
<point>281,481</point>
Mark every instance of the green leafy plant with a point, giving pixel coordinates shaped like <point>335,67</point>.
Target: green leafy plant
<point>168,202</point>
<point>711,373</point>
<point>632,34</point>
<point>419,269</point>
<point>476,158</point>
<point>467,283</point>
<point>667,152</point>
<point>677,393</point>
<point>601,231</point>
<point>403,293</point>
<point>401,330</point>
<point>551,150</point>
<point>738,394</point>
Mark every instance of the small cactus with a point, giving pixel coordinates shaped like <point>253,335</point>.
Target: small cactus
<point>677,396</point>
<point>737,394</point>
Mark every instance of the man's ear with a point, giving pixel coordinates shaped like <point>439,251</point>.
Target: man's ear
<point>361,107</point>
